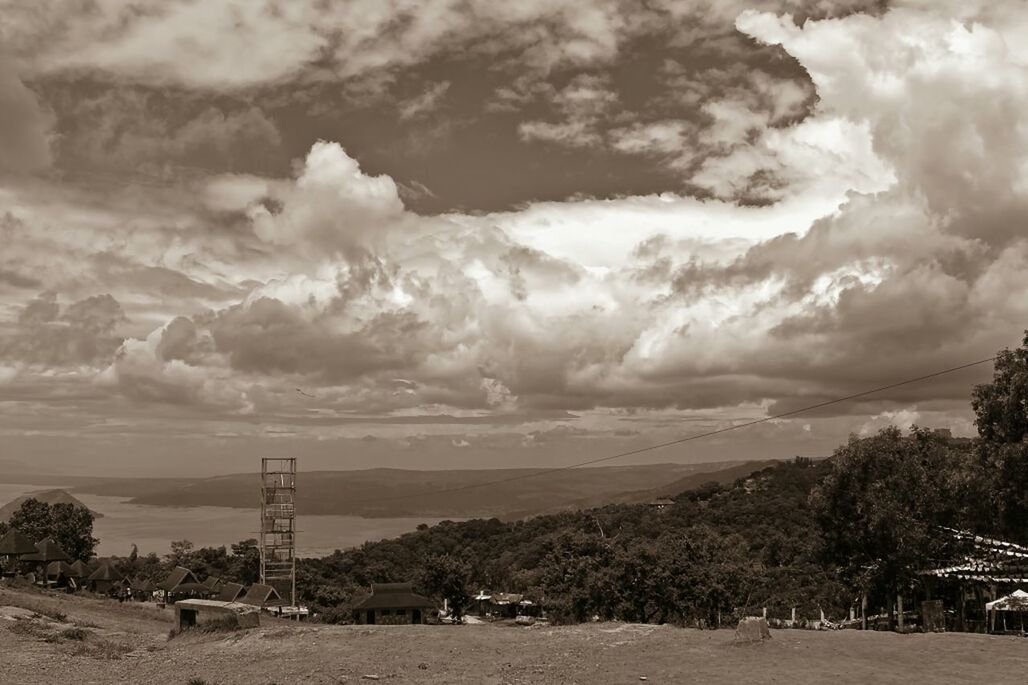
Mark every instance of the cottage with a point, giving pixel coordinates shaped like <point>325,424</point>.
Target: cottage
<point>393,604</point>
<point>14,545</point>
<point>105,579</point>
<point>261,596</point>
<point>213,584</point>
<point>192,612</point>
<point>182,583</point>
<point>230,592</point>
<point>59,573</point>
<point>46,551</point>
<point>142,589</point>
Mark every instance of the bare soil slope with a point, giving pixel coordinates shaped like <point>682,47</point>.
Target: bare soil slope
<point>286,653</point>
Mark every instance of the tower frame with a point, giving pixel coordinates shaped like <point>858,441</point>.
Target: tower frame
<point>278,525</point>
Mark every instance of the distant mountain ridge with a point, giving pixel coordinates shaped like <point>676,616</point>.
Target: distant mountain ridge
<point>49,496</point>
<point>388,493</point>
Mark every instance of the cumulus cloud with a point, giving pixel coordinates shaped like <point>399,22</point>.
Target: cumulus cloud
<point>881,238</point>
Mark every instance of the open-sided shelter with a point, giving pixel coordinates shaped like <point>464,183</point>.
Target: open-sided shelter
<point>142,589</point>
<point>1015,604</point>
<point>393,604</point>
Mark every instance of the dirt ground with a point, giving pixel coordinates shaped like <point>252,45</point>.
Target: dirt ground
<point>85,640</point>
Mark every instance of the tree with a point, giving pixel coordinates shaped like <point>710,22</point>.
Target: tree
<point>73,530</point>
<point>33,519</point>
<point>881,506</point>
<point>1001,407</point>
<point>245,562</point>
<point>70,526</point>
<point>446,576</point>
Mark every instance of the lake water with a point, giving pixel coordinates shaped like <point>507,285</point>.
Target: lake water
<point>152,528</point>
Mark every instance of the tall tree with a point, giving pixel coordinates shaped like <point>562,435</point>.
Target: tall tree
<point>69,525</point>
<point>446,576</point>
<point>882,503</point>
<point>1001,407</point>
<point>33,519</point>
<point>73,530</point>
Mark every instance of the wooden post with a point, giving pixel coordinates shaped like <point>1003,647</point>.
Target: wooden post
<point>794,614</point>
<point>899,607</point>
<point>863,611</point>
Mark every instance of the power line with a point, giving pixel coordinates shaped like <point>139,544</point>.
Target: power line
<point>679,441</point>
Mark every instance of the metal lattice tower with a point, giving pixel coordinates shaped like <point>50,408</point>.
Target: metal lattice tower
<point>278,526</point>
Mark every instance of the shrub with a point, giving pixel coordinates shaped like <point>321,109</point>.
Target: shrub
<point>74,634</point>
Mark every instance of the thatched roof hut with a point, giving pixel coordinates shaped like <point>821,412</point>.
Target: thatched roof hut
<point>46,551</point>
<point>14,544</point>
<point>106,572</point>
<point>55,569</point>
<point>81,568</point>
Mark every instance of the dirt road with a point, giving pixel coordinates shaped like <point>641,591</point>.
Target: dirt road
<point>129,644</point>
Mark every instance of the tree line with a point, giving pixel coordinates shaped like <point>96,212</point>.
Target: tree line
<point>806,534</point>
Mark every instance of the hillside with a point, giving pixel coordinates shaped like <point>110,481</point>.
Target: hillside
<point>80,640</point>
<point>48,496</point>
<point>390,493</point>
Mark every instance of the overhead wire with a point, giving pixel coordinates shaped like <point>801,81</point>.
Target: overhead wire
<point>678,441</point>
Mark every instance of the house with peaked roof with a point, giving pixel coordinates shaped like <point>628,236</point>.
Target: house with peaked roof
<point>182,583</point>
<point>14,544</point>
<point>105,579</point>
<point>142,589</point>
<point>230,592</point>
<point>46,551</point>
<point>393,604</point>
<point>261,596</point>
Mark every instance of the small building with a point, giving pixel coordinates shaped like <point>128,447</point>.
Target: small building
<point>261,596</point>
<point>81,568</point>
<point>58,573</point>
<point>46,551</point>
<point>505,604</point>
<point>14,545</point>
<point>105,580</point>
<point>142,589</point>
<point>230,592</point>
<point>661,503</point>
<point>182,583</point>
<point>393,604</point>
<point>192,612</point>
<point>213,584</point>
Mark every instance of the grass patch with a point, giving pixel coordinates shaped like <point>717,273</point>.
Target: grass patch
<point>196,681</point>
<point>29,628</point>
<point>102,649</point>
<point>74,634</point>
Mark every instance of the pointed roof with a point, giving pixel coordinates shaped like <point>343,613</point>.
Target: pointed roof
<point>177,577</point>
<point>16,544</point>
<point>142,585</point>
<point>397,596</point>
<point>60,568</point>
<point>81,568</point>
<point>105,572</point>
<point>46,551</point>
<point>213,583</point>
<point>260,595</point>
<point>230,592</point>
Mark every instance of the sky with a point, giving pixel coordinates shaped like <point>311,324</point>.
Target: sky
<point>473,234</point>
